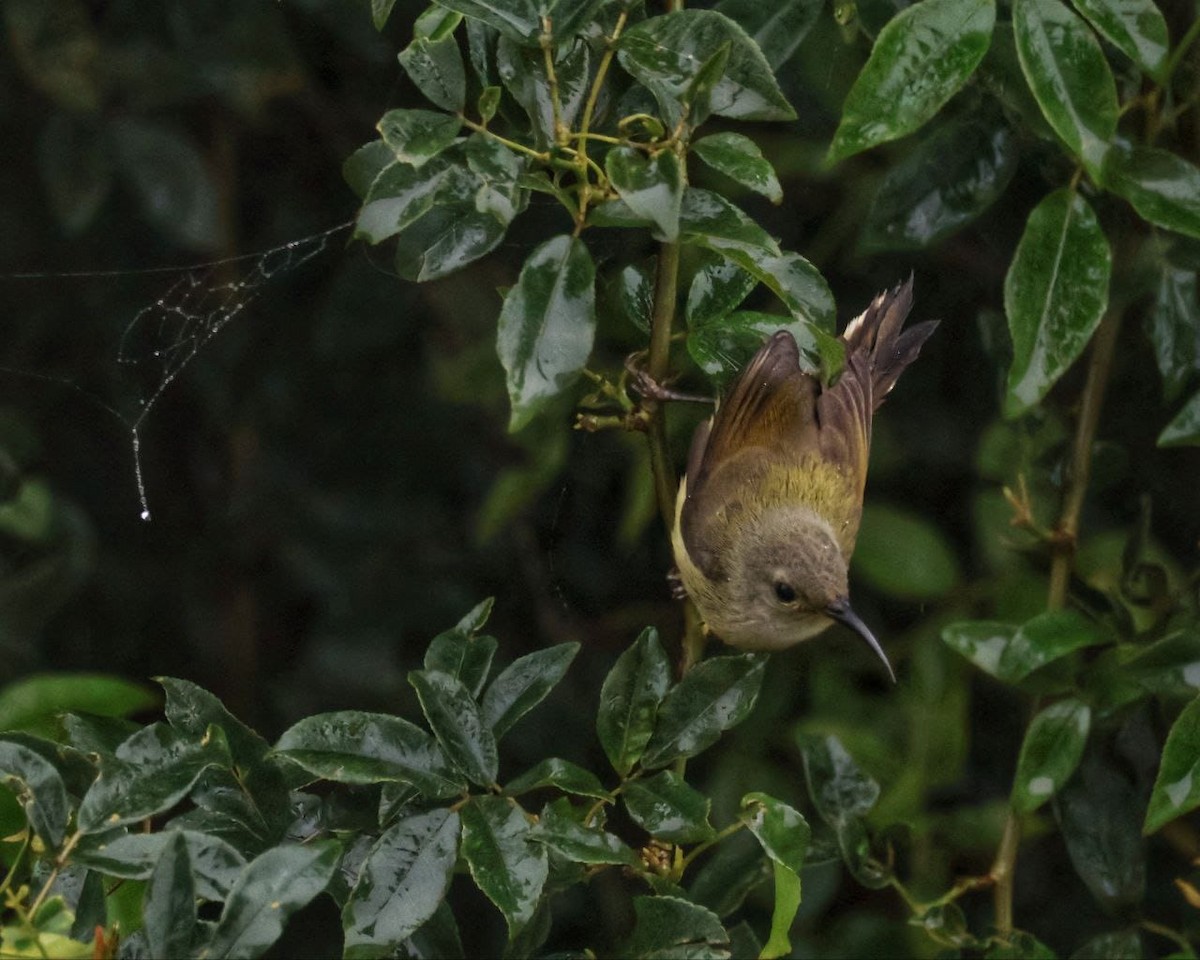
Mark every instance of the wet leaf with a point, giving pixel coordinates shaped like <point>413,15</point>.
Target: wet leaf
<point>629,700</point>
<point>1012,653</point>
<point>523,684</point>
<point>351,746</point>
<point>1069,77</point>
<point>1172,328</point>
<point>546,325</point>
<point>215,865</point>
<point>508,866</point>
<point>839,788</point>
<point>1162,187</point>
<point>716,695</point>
<point>665,53</point>
<point>717,289</point>
<point>455,720</point>
<point>523,71</point>
<point>920,59</point>
<point>273,887</point>
<point>778,28</point>
<point>436,68</point>
<point>781,830</point>
<point>553,772</point>
<point>668,809</point>
<point>560,830</point>
<point>401,883</point>
<point>671,927</point>
<point>1055,293</point>
<point>1184,430</point>
<point>38,787</point>
<point>740,159</point>
<point>1135,27</point>
<point>401,194</point>
<point>634,293</point>
<point>365,164</point>
<point>722,346</point>
<point>1177,786</point>
<point>170,905</point>
<point>1050,753</point>
<point>652,186</point>
<point>466,658</point>
<point>415,136</point>
<point>709,220</point>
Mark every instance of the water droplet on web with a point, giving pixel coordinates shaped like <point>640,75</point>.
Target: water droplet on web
<point>146,515</point>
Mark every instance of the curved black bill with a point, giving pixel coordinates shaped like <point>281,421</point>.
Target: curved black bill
<point>841,612</point>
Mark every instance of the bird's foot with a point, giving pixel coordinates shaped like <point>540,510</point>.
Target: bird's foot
<point>645,386</point>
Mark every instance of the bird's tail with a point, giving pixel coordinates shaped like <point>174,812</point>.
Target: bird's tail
<point>877,332</point>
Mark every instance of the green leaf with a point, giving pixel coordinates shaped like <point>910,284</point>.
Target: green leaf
<point>521,20</point>
<point>365,164</point>
<point>380,11</point>
<point>629,700</point>
<point>904,555</point>
<point>214,863</point>
<point>709,220</point>
<point>436,23</point>
<point>489,101</point>
<point>668,809</point>
<point>634,293</point>
<point>192,710</point>
<point>1172,328</point>
<point>1184,430</point>
<point>33,698</point>
<point>39,788</point>
<point>1055,293</point>
<point>652,186</point>
<point>476,618</point>
<point>98,735</point>
<point>351,746</point>
<point>553,772</point>
<point>672,927</point>
<point>839,788</point>
<point>716,695</point>
<point>800,286</point>
<point>726,877</point>
<point>546,325</point>
<point>462,656</point>
<point>1177,786</point>
<point>1135,27</point>
<point>560,830</point>
<point>1119,945</point>
<point>1050,753</point>
<point>416,136</point>
<point>949,179</point>
<point>697,99</point>
<point>524,684</point>
<point>722,346</point>
<point>740,159</point>
<point>1162,187</point>
<point>523,71</point>
<point>787,902</point>
<point>436,67</point>
<point>455,719</point>
<point>717,288</point>
<point>170,906</point>
<point>151,772</point>
<point>778,28</point>
<point>507,865</point>
<point>401,883</point>
<point>1070,79</point>
<point>1012,653</point>
<point>273,887</point>
<point>402,194</point>
<point>666,53</point>
<point>781,830</point>
<point>920,59</point>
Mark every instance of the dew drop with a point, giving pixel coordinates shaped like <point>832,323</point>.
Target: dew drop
<point>146,515</point>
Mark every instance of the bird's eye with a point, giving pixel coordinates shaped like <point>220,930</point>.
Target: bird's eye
<point>784,592</point>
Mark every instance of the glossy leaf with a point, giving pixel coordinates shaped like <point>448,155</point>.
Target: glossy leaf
<point>546,325</point>
<point>629,700</point>
<point>1171,325</point>
<point>1055,293</point>
<point>666,52</point>
<point>652,186</point>
<point>553,772</point>
<point>778,28</point>
<point>38,787</point>
<point>633,291</point>
<point>560,830</point>
<point>716,694</point>
<point>1184,430</point>
<point>673,927</point>
<point>522,19</point>
<point>1011,653</point>
<point>436,67</point>
<point>723,346</point>
<point>717,289</point>
<point>170,906</point>
<point>523,684</point>
<point>1069,77</point>
<point>668,809</point>
<point>523,71</point>
<point>781,830</point>
<point>401,883</point>
<point>402,194</point>
<point>31,698</point>
<point>508,866</point>
<point>904,555</point>
<point>215,865</point>
<point>365,164</point>
<point>798,284</point>
<point>787,902</point>
<point>192,710</point>
<point>1050,753</point>
<point>1162,187</point>
<point>740,159</point>
<point>920,59</point>
<point>356,747</point>
<point>949,179</point>
<point>415,136</point>
<point>273,887</point>
<point>1177,786</point>
<point>464,657</point>
<point>839,788</point>
<point>1135,27</point>
<point>709,220</point>
<point>458,725</point>
<point>151,772</point>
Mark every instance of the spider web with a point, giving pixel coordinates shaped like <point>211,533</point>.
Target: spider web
<point>165,336</point>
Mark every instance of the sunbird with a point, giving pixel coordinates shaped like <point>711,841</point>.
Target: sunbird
<point>771,500</point>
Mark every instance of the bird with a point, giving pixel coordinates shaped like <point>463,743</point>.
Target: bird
<point>770,502</point>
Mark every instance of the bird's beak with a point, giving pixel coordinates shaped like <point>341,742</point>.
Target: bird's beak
<point>840,611</point>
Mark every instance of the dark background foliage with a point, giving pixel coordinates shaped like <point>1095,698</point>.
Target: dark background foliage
<point>332,483</point>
